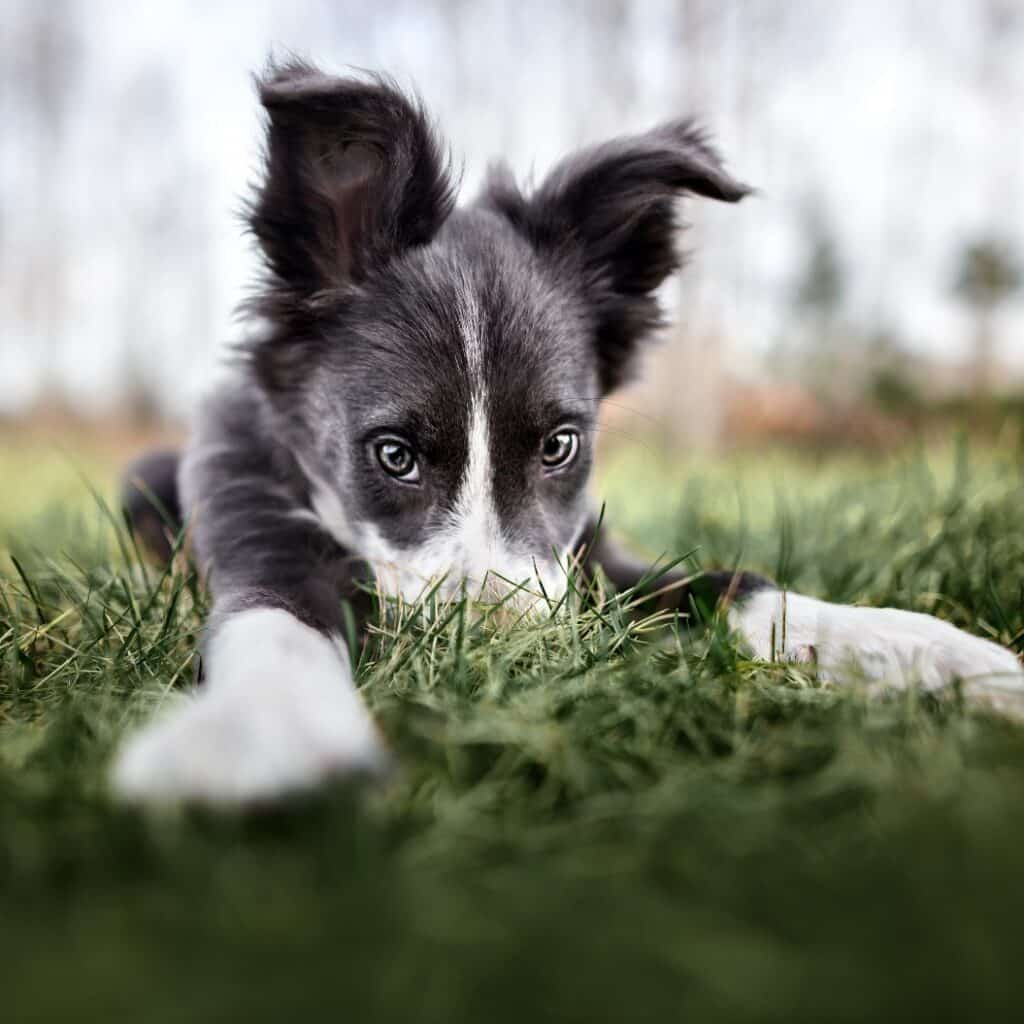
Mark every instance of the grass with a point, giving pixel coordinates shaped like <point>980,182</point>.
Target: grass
<point>594,820</point>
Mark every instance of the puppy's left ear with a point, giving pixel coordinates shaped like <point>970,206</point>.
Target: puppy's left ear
<point>354,175</point>
<point>607,218</point>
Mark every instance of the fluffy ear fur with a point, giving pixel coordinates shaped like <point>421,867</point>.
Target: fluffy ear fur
<point>353,175</point>
<point>608,214</point>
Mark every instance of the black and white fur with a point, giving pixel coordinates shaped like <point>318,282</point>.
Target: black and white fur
<point>474,345</point>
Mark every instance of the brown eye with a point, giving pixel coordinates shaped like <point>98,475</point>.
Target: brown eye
<point>559,449</point>
<point>398,460</point>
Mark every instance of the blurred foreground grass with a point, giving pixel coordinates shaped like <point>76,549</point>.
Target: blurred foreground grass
<point>593,821</point>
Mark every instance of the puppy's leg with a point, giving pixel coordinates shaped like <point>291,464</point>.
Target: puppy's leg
<point>665,590</point>
<point>278,710</point>
<point>149,497</point>
<point>887,646</point>
<point>881,645</point>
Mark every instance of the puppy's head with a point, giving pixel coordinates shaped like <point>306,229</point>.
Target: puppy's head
<point>438,372</point>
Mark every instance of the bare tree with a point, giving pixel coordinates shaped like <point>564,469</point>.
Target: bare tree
<point>987,275</point>
<point>42,59</point>
<point>819,288</point>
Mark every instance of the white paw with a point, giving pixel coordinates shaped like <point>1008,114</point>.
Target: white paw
<point>232,749</point>
<point>278,714</point>
<point>881,645</point>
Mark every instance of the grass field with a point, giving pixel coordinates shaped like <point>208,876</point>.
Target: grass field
<point>594,820</point>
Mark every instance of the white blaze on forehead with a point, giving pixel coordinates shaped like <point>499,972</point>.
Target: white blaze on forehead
<point>471,542</point>
<point>475,527</point>
<point>472,336</point>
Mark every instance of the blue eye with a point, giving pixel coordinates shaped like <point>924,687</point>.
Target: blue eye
<point>559,449</point>
<point>397,460</point>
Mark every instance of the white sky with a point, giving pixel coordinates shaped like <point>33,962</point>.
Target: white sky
<point>885,114</point>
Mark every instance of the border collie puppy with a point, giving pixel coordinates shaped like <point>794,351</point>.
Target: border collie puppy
<point>420,404</point>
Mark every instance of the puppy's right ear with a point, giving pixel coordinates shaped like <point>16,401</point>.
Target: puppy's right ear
<point>606,217</point>
<point>354,174</point>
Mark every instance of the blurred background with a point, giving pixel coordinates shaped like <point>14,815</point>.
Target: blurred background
<point>872,290</point>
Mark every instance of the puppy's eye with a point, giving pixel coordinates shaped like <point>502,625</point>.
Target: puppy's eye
<point>397,460</point>
<point>559,449</point>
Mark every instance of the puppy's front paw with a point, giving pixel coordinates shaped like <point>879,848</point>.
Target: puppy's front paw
<point>882,645</point>
<point>236,747</point>
<point>279,713</point>
<point>954,654</point>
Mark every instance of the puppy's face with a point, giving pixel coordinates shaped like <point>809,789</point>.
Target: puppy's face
<point>442,370</point>
<point>453,414</point>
